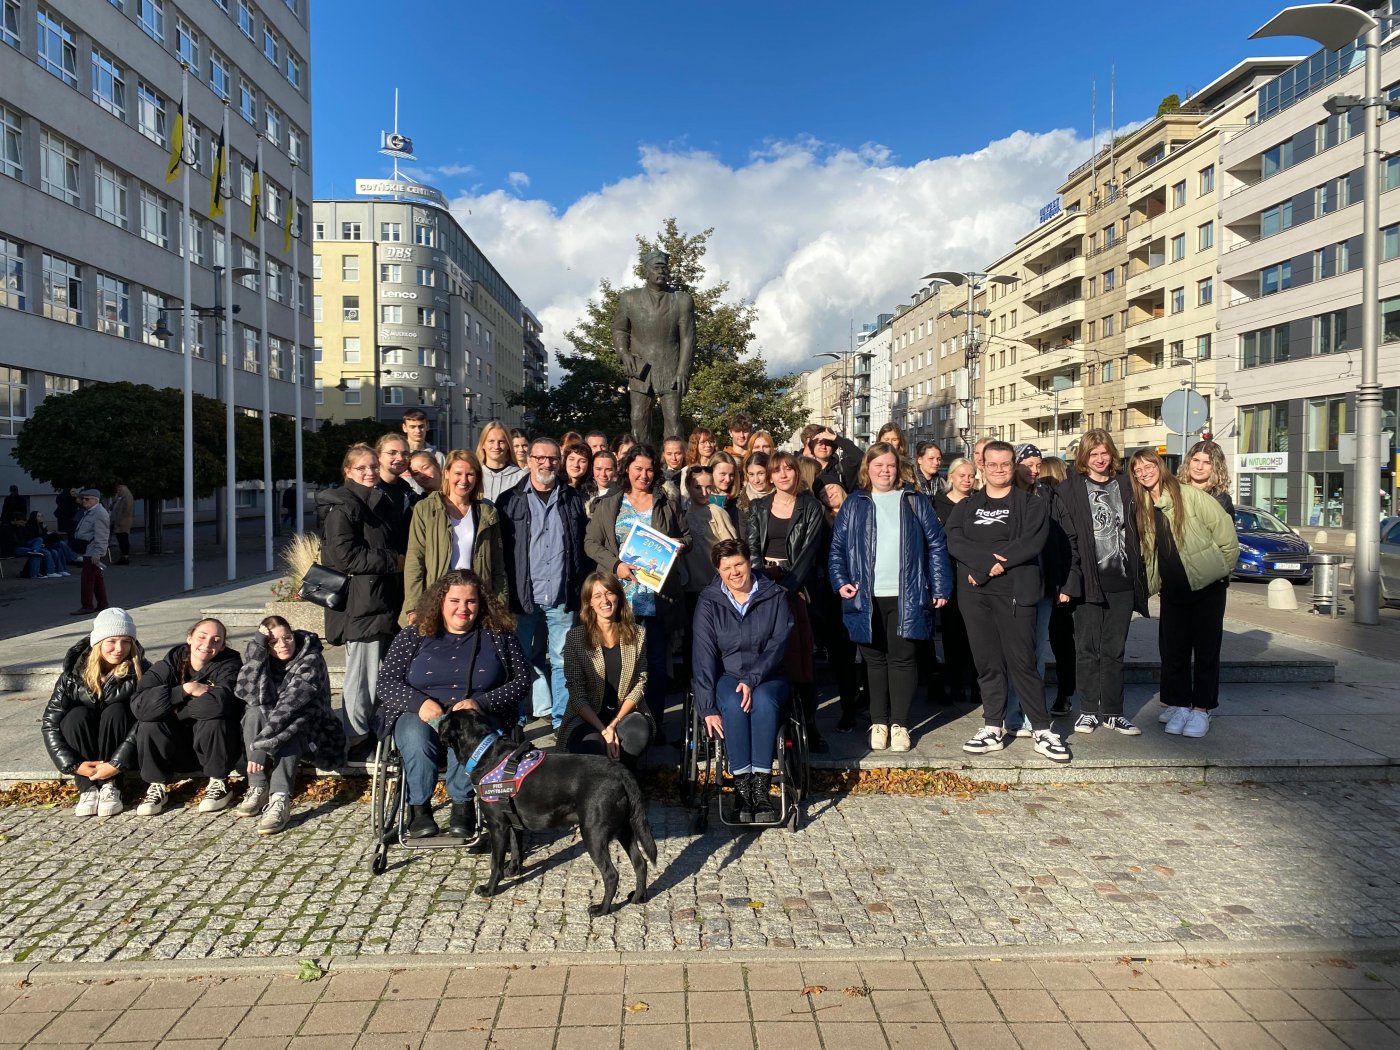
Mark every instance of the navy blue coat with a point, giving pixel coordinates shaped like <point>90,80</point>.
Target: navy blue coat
<point>514,508</point>
<point>924,571</point>
<point>748,647</point>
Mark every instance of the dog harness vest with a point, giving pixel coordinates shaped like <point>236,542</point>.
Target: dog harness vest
<point>503,782</point>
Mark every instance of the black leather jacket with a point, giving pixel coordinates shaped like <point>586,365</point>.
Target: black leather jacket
<point>808,541</point>
<point>70,691</point>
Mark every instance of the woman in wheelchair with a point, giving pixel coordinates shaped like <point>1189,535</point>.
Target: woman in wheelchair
<point>461,654</point>
<point>742,623</point>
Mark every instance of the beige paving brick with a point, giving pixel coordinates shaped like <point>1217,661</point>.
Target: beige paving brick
<point>662,1008</point>
<point>473,982</point>
<point>1057,976</point>
<point>892,975</point>
<point>1026,1004</point>
<point>537,980</point>
<point>775,977</point>
<point>1085,1005</point>
<point>596,980</point>
<point>1148,1006</point>
<point>1111,1035</point>
<point>705,1007</point>
<point>783,1006</point>
<point>529,1011</point>
<point>518,1039</point>
<point>607,1037</point>
<point>354,986</point>
<point>1175,1035</point>
<point>994,1035</point>
<point>23,1027</point>
<point>74,1026</point>
<point>416,984</point>
<point>1242,975</point>
<point>1046,1036</point>
<point>1239,1035</point>
<point>1118,976</point>
<point>337,1018</point>
<point>1329,1004</point>
<point>963,1006</point>
<point>655,1037</point>
<point>110,995</point>
<point>714,977</point>
<point>894,1007</point>
<point>320,1042</point>
<point>1269,1004</point>
<point>1182,975</point>
<point>454,1041</point>
<point>238,1042</point>
<point>1383,1004</point>
<point>1303,1035</point>
<point>45,999</point>
<point>948,976</point>
<point>234,991</point>
<point>787,1035</point>
<point>592,1011</point>
<point>265,1021</point>
<point>138,1026</point>
<point>1366,1035</point>
<point>1295,974</point>
<point>664,977</point>
<point>389,1041</point>
<point>169,993</point>
<point>1007,975</point>
<point>1209,1004</point>
<point>904,1035</point>
<point>289,990</point>
<point>211,1022</point>
<point>461,1015</point>
<point>403,1015</point>
<point>723,1035</point>
<point>835,976</point>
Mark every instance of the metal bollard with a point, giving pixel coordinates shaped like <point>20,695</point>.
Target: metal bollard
<point>1326,583</point>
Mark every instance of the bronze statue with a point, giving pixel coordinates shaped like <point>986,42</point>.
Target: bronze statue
<point>654,334</point>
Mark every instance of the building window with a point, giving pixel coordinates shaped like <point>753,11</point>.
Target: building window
<point>320,388</point>
<point>1203,347</point>
<point>351,349</point>
<point>1331,332</point>
<point>427,276</point>
<point>349,231</point>
<point>296,142</point>
<point>427,317</point>
<point>1265,346</point>
<point>113,306</point>
<point>1178,247</point>
<point>11,275</point>
<point>1110,278</point>
<point>352,391</point>
<point>187,44</point>
<point>245,18</point>
<point>248,359</point>
<point>276,281</point>
<point>318,309</point>
<point>391,231</point>
<point>108,84</point>
<point>350,308</point>
<point>151,17</point>
<point>316,267</point>
<point>247,102</point>
<point>1205,236</point>
<point>63,289</point>
<point>151,302</point>
<point>1276,278</point>
<point>293,69</point>
<point>109,193</point>
<point>14,401</point>
<point>318,231</point>
<point>155,223</point>
<point>391,314</point>
<point>1179,194</point>
<point>1205,291</point>
<point>218,74</point>
<point>56,49</point>
<point>9,23</point>
<point>272,46</point>
<point>1207,180</point>
<point>1390,243</point>
<point>1178,300</point>
<point>58,167</point>
<point>391,273</point>
<point>11,155</point>
<point>393,395</point>
<point>150,113</point>
<point>349,267</point>
<point>272,122</point>
<point>1108,326</point>
<point>424,235</point>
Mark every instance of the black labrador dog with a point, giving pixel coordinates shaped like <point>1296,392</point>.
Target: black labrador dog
<point>601,797</point>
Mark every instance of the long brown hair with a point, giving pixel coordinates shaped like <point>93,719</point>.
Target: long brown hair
<point>795,464</point>
<point>1145,504</point>
<point>1091,440</point>
<point>626,622</point>
<point>1219,480</point>
<point>692,448</point>
<point>491,614</point>
<point>880,448</point>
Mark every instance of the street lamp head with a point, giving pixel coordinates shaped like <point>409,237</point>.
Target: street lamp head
<point>161,330</point>
<point>1179,361</point>
<point>1334,26</point>
<point>1336,105</point>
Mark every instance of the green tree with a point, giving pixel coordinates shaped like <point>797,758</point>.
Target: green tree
<point>729,376</point>
<point>1169,104</point>
<point>332,441</point>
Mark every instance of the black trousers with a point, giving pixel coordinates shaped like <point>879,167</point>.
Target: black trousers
<point>96,733</point>
<point>1062,645</point>
<point>633,736</point>
<point>830,633</point>
<point>174,745</point>
<point>1002,636</point>
<point>959,671</point>
<point>891,666</point>
<point>1100,633</point>
<point>1188,636</point>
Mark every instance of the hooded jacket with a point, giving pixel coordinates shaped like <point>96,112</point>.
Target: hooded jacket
<point>430,548</point>
<point>808,540</point>
<point>70,690</point>
<point>748,647</point>
<point>358,524</point>
<point>295,701</point>
<point>924,571</point>
<point>161,691</point>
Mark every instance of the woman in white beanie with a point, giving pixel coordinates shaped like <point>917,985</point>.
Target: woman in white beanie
<point>88,726</point>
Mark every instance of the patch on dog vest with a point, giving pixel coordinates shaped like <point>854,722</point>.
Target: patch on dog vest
<point>502,782</point>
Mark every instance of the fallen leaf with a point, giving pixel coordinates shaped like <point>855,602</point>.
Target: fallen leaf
<point>857,991</point>
<point>813,989</point>
<point>755,905</point>
<point>637,1007</point>
<point>309,970</point>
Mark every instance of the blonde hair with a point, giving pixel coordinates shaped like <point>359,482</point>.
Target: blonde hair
<point>1219,480</point>
<point>94,675</point>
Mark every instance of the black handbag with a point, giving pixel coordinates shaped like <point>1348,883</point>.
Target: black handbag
<point>324,587</point>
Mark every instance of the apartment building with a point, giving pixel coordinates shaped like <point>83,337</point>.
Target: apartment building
<point>410,313</point>
<point>820,393</point>
<point>872,368</point>
<point>1290,320</point>
<point>91,234</point>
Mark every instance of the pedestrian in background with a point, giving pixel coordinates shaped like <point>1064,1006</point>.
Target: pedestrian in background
<point>66,511</point>
<point>1052,473</point>
<point>1189,546</point>
<point>122,511</point>
<point>91,537</point>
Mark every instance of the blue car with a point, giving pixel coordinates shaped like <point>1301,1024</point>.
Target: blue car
<point>1269,549</point>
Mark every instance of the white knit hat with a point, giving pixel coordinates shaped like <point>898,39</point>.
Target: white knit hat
<point>112,623</point>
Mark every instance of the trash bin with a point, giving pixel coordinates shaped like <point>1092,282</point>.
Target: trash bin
<point>1326,583</point>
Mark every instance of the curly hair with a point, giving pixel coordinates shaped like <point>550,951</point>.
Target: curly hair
<point>1219,480</point>
<point>626,623</point>
<point>633,454</point>
<point>692,448</point>
<point>494,617</point>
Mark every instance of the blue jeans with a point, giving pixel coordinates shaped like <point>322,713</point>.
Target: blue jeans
<point>420,747</point>
<point>751,738</point>
<point>1015,717</point>
<point>546,656</point>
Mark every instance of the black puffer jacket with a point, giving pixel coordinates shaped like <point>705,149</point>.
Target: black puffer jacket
<point>70,691</point>
<point>808,541</point>
<point>295,701</point>
<point>358,526</point>
<point>161,692</point>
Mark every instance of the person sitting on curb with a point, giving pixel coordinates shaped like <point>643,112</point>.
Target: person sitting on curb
<point>187,716</point>
<point>287,690</point>
<point>88,726</point>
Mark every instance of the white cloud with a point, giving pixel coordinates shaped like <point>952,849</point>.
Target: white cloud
<point>518,181</point>
<point>812,235</point>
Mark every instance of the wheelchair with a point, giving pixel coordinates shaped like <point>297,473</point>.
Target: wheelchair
<point>389,807</point>
<point>703,770</point>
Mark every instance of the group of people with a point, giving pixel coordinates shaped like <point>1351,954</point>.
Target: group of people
<point>85,533</point>
<point>491,579</point>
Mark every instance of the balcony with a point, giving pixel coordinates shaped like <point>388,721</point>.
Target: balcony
<point>1041,285</point>
<point>1062,319</point>
<point>1148,207</point>
<point>1051,362</point>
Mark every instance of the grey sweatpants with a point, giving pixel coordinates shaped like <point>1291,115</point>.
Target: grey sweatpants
<point>281,768</point>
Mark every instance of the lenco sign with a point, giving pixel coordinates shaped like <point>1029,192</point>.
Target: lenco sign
<point>398,295</point>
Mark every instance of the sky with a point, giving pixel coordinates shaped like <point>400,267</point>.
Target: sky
<point>840,151</point>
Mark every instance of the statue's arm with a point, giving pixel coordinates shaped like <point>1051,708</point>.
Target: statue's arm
<point>622,335</point>
<point>687,342</point>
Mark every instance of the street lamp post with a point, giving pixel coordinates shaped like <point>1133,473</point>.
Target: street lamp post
<point>1177,362</point>
<point>975,281</point>
<point>1334,26</point>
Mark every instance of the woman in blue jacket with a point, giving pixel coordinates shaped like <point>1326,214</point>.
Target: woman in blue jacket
<point>742,623</point>
<point>890,566</point>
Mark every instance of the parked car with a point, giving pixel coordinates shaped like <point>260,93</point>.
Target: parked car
<point>1269,549</point>
<point>1390,559</point>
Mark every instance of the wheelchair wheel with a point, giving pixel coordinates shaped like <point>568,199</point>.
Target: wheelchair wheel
<point>690,754</point>
<point>802,761</point>
<point>385,786</point>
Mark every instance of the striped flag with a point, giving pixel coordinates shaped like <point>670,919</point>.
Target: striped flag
<point>255,203</point>
<point>220,173</point>
<point>288,220</point>
<point>177,145</point>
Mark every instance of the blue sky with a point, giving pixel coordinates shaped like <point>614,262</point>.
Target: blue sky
<point>530,115</point>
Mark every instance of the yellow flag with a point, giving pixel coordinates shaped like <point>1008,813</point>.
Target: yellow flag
<point>177,146</point>
<point>255,204</point>
<point>216,187</point>
<point>287,226</point>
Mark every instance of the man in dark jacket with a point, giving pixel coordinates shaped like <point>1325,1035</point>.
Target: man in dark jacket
<point>996,536</point>
<point>542,526</point>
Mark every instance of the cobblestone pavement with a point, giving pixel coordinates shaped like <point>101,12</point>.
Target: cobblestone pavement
<point>1067,866</point>
<point>818,1004</point>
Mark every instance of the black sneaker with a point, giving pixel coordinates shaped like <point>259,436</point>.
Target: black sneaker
<point>1086,723</point>
<point>1122,725</point>
<point>816,744</point>
<point>987,739</point>
<point>1061,708</point>
<point>848,724</point>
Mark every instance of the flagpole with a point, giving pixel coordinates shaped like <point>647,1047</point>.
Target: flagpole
<point>266,371</point>
<point>230,453</point>
<point>187,341</point>
<point>294,218</point>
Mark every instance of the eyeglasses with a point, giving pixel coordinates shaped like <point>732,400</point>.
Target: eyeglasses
<point>545,459</point>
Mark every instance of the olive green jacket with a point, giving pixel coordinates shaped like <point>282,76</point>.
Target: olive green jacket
<point>430,549</point>
<point>1209,546</point>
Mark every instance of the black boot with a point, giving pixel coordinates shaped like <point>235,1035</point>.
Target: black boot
<point>743,807</point>
<point>422,825</point>
<point>807,695</point>
<point>760,786</point>
<point>463,820</point>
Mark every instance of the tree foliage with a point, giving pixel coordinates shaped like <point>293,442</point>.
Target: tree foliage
<point>1169,104</point>
<point>334,439</point>
<point>730,375</point>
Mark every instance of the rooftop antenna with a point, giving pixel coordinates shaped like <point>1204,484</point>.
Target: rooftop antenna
<point>397,146</point>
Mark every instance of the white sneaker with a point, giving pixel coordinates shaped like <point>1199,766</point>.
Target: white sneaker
<point>1179,717</point>
<point>253,802</point>
<point>109,799</point>
<point>216,796</point>
<point>276,815</point>
<point>154,802</point>
<point>1167,713</point>
<point>87,803</point>
<point>1048,743</point>
<point>899,738</point>
<point>986,739</point>
<point>1197,724</point>
<point>879,737</point>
